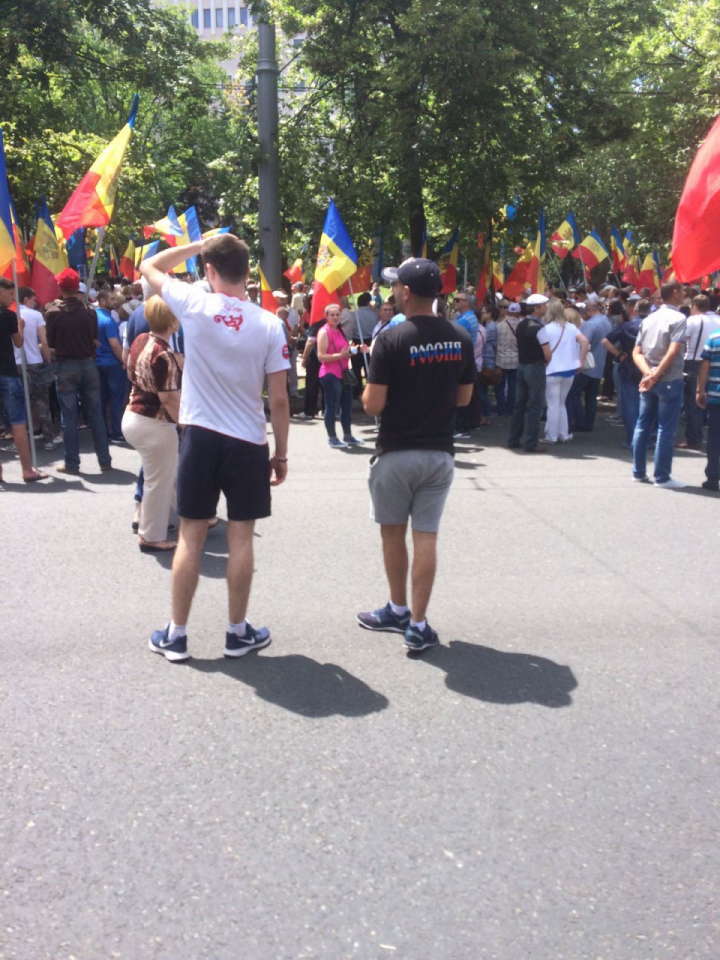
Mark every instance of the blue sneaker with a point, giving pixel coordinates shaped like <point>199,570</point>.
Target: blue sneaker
<point>385,620</point>
<point>336,443</point>
<point>416,640</point>
<point>172,650</point>
<point>236,646</point>
<point>353,441</point>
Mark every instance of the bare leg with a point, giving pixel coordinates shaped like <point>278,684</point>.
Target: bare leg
<point>395,556</point>
<point>423,572</point>
<point>22,442</point>
<point>239,568</point>
<point>186,567</point>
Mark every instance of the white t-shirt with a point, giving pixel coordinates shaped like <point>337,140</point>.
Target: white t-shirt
<point>33,321</point>
<point>699,328</point>
<point>566,351</point>
<point>230,346</point>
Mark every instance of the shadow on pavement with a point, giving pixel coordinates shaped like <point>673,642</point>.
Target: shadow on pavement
<point>111,478</point>
<point>496,676</point>
<point>300,684</point>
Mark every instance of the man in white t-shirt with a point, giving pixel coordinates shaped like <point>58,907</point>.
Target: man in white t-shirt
<point>37,358</point>
<point>701,325</point>
<point>231,346</point>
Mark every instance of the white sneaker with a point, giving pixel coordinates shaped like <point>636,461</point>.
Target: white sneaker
<point>670,485</point>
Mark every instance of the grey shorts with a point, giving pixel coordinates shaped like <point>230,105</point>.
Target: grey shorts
<point>410,483</point>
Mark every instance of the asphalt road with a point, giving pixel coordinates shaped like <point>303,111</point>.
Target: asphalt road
<point>544,786</point>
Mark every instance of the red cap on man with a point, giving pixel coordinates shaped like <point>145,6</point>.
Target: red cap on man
<point>68,280</point>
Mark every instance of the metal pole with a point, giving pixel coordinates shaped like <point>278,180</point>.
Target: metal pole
<point>558,274</point>
<point>362,341</point>
<point>269,165</point>
<point>23,367</point>
<point>93,265</point>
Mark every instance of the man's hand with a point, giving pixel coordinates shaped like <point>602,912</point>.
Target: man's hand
<point>648,382</point>
<point>278,471</point>
<point>156,269</point>
<point>701,399</point>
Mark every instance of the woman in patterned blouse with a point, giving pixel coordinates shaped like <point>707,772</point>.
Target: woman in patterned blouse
<point>150,421</point>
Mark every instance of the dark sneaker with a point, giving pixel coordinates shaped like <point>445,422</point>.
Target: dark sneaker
<point>236,646</point>
<point>171,649</point>
<point>384,620</point>
<point>416,640</point>
<point>70,471</point>
<point>711,485</point>
<point>354,441</point>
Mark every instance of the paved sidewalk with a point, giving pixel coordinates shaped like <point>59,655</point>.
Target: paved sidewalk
<point>544,786</point>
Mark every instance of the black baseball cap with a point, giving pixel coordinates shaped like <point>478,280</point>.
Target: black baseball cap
<point>422,276</point>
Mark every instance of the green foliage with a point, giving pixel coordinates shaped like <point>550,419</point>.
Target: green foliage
<point>402,110</point>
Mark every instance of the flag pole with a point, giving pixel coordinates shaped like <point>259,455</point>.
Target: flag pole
<point>554,262</point>
<point>23,367</point>
<point>93,265</point>
<point>361,339</point>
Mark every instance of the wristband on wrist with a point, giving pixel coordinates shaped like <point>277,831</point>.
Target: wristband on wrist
<point>279,459</point>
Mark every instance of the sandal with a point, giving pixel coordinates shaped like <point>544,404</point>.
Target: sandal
<point>37,475</point>
<point>163,546</point>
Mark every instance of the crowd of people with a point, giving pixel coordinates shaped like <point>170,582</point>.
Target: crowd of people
<point>185,372</point>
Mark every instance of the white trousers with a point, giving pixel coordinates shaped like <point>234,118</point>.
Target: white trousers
<point>157,443</point>
<point>556,391</point>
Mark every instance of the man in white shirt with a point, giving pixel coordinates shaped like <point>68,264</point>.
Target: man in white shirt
<point>700,325</point>
<point>37,358</point>
<point>232,345</point>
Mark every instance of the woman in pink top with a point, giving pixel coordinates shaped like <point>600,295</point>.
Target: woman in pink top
<point>333,352</point>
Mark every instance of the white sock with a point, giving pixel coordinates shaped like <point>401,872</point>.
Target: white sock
<point>398,611</point>
<point>237,628</point>
<point>419,626</point>
<point>176,631</point>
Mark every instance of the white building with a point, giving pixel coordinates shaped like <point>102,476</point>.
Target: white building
<point>214,18</point>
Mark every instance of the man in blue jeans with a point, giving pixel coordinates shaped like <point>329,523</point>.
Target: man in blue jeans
<point>659,353</point>
<point>582,400</point>
<point>72,331</point>
<point>533,357</point>
<point>108,358</point>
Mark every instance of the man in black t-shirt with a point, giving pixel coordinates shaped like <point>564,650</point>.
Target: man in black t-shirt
<point>420,372</point>
<point>530,383</point>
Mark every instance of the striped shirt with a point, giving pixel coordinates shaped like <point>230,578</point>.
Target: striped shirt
<point>711,352</point>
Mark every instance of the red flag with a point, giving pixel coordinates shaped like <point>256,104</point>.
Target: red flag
<point>696,240</point>
<point>295,272</point>
<point>321,298</point>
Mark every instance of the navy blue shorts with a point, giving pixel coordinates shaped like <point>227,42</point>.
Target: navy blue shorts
<point>211,463</point>
<point>12,397</point>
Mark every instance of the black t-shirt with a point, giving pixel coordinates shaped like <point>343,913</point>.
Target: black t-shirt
<point>421,361</point>
<point>8,326</point>
<point>529,350</point>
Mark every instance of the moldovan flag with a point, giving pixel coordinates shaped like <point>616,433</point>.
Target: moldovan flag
<point>127,263</point>
<point>145,251</point>
<point>423,243</point>
<point>7,242</point>
<point>295,272</point>
<point>191,232</point>
<point>267,300</point>
<point>696,241</point>
<point>649,275</point>
<point>48,259</point>
<point>216,232</point>
<point>619,258</point>
<point>91,205</point>
<point>566,237</point>
<point>498,274</point>
<point>22,264</point>
<point>168,227</point>
<point>336,262</point>
<point>448,263</point>
<point>536,272</point>
<point>591,251</point>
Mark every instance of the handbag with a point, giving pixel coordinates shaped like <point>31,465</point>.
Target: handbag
<point>349,379</point>
<point>491,376</point>
<point>589,361</point>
